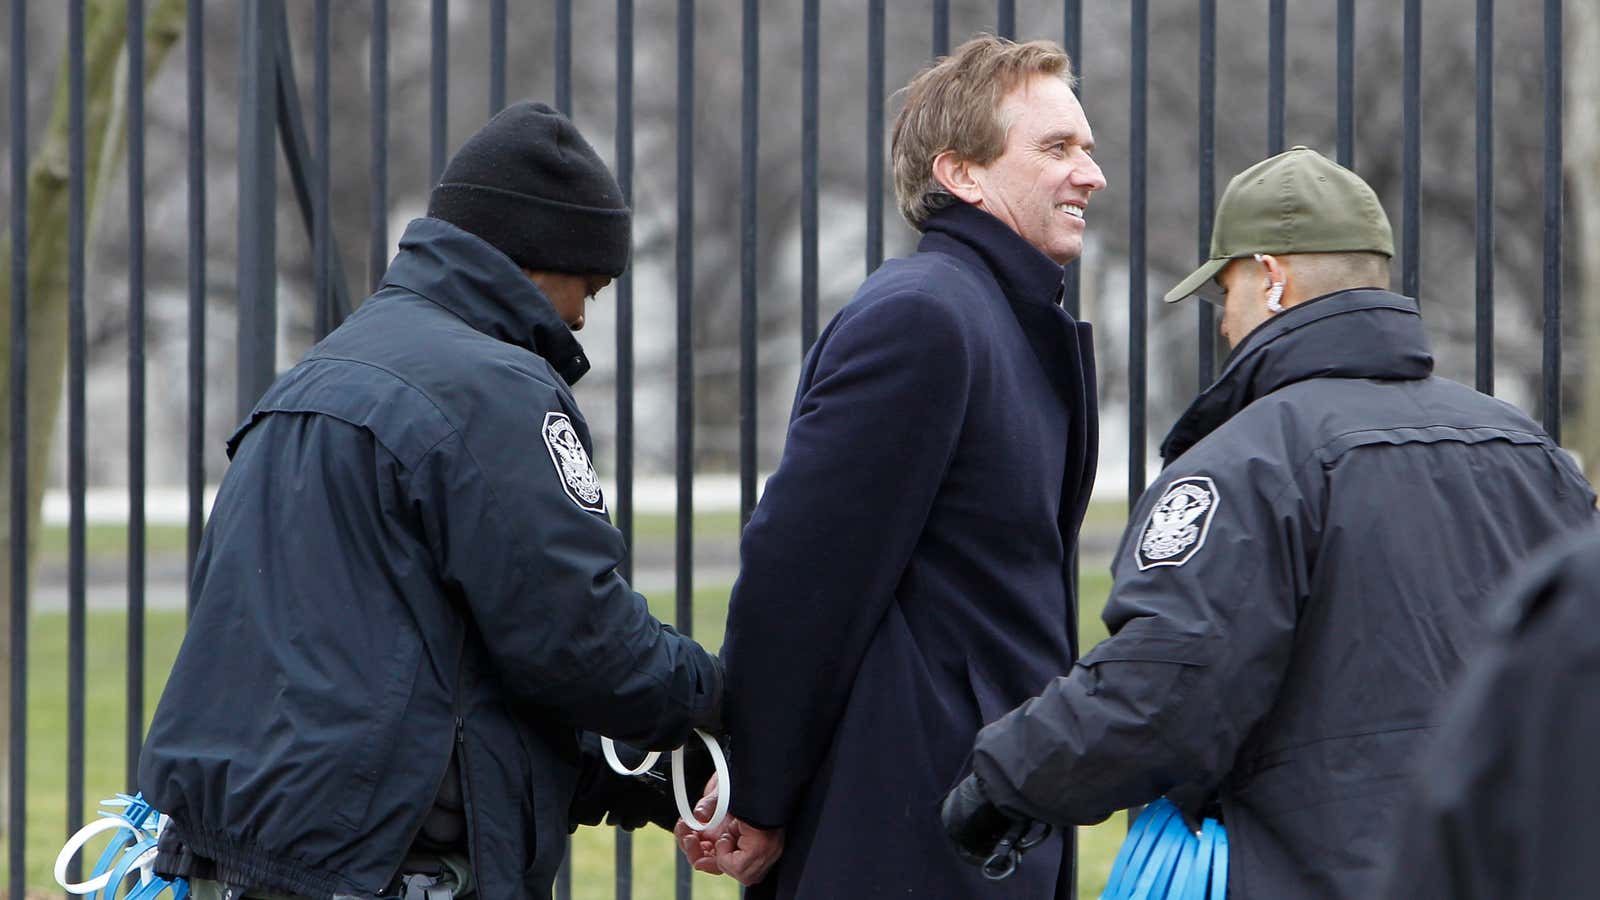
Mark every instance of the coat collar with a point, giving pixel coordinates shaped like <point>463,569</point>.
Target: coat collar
<point>1024,273</point>
<point>464,274</point>
<point>1363,333</point>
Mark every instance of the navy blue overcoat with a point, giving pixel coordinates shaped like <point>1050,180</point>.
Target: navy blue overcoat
<point>904,578</point>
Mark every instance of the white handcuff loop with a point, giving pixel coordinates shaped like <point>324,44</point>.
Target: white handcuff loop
<point>75,844</point>
<point>680,791</point>
<point>609,748</point>
<point>142,833</point>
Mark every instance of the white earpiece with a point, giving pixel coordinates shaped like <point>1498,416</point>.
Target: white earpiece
<point>1274,292</point>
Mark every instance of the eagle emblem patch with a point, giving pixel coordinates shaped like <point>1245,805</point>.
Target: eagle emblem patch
<point>1178,524</point>
<point>572,463</point>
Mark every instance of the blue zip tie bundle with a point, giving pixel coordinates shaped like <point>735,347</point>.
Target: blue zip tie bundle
<point>1161,859</point>
<point>135,827</point>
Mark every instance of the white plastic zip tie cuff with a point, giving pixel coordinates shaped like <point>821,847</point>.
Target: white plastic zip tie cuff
<point>680,790</point>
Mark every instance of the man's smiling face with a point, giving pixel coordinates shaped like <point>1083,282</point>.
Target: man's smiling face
<point>1040,184</point>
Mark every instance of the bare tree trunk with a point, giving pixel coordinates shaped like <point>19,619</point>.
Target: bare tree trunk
<point>1582,153</point>
<point>105,129</point>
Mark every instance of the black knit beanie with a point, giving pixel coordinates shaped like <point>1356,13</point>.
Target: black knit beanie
<point>529,184</point>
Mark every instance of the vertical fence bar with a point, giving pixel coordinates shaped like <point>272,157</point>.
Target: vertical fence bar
<point>941,28</point>
<point>749,312</point>
<point>810,28</point>
<point>875,28</point>
<point>1347,83</point>
<point>497,56</point>
<point>378,211</point>
<point>624,499</point>
<point>684,599</point>
<point>563,79</point>
<point>297,145</point>
<point>564,57</point>
<point>1552,218</point>
<point>1136,249</point>
<point>1484,217</point>
<point>258,305</point>
<point>1277,17</point>
<point>136,388</point>
<point>77,439</point>
<point>1411,226</point>
<point>439,41</point>
<point>1072,37</point>
<point>321,222</point>
<point>1137,297</point>
<point>195,33</point>
<point>18,716</point>
<point>1006,19</point>
<point>1205,318</point>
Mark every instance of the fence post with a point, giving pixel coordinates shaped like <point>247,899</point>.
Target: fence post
<point>258,305</point>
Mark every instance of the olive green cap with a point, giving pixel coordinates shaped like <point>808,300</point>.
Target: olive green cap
<point>1296,202</point>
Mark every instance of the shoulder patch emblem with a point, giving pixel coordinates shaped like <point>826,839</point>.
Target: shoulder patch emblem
<point>572,463</point>
<point>1178,524</point>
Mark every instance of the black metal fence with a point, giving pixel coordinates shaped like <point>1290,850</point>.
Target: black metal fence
<point>271,113</point>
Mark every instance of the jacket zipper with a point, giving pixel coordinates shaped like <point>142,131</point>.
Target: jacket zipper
<point>460,751</point>
<point>466,800</point>
<point>458,748</point>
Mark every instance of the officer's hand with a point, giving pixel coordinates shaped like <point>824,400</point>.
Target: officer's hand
<point>973,824</point>
<point>626,801</point>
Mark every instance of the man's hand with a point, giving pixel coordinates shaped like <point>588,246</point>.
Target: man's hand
<point>699,847</point>
<point>973,824</point>
<point>735,848</point>
<point>747,852</point>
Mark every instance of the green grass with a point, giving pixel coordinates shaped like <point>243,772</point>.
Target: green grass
<point>105,712</point>
<point>593,848</point>
<point>111,540</point>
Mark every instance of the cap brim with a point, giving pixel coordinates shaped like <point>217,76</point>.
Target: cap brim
<point>1200,281</point>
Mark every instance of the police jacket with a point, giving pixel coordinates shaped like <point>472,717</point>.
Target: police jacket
<point>903,579</point>
<point>1504,801</point>
<point>1293,595</point>
<point>410,558</point>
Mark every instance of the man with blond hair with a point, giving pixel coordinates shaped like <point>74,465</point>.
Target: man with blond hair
<point>904,579</point>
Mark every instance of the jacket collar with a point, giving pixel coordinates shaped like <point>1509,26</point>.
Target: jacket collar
<point>1364,333</point>
<point>965,231</point>
<point>466,275</point>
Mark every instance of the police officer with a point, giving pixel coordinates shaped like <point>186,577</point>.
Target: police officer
<point>1300,585</point>
<point>1505,799</point>
<point>408,605</point>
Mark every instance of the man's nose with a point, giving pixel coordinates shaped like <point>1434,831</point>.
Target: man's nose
<point>1088,175</point>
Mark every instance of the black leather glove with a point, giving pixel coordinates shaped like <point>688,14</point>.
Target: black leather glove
<point>626,801</point>
<point>633,801</point>
<point>973,824</point>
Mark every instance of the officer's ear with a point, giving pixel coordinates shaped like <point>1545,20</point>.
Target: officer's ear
<point>954,174</point>
<point>1276,270</point>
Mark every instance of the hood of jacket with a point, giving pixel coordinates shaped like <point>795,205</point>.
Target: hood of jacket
<point>466,275</point>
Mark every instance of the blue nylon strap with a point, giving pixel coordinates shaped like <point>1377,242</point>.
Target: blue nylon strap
<point>1219,864</point>
<point>121,839</point>
<point>141,823</point>
<point>124,864</point>
<point>1157,875</point>
<point>1136,848</point>
<point>1161,859</point>
<point>1184,874</point>
<point>1200,864</point>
